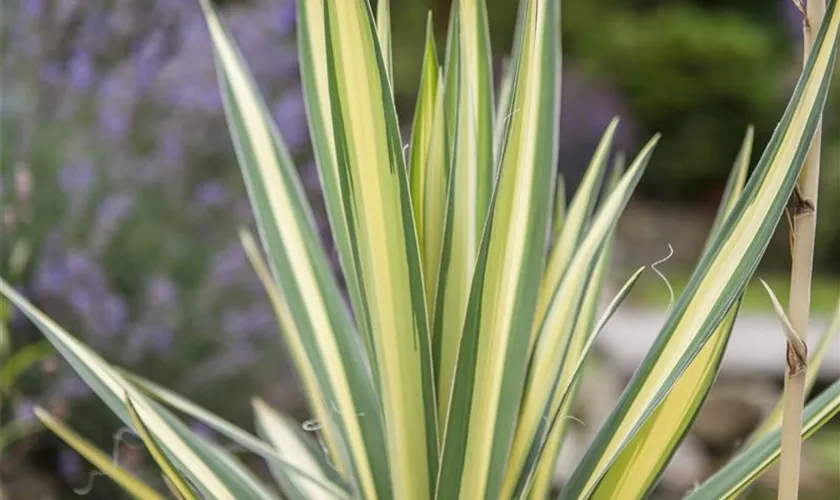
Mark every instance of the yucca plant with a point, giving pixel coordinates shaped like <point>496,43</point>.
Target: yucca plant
<point>453,373</point>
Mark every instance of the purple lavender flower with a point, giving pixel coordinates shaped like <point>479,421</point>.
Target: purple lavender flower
<point>244,324</point>
<point>109,216</point>
<point>82,301</point>
<point>171,145</point>
<point>148,339</point>
<point>290,113</point>
<point>81,267</point>
<point>228,265</point>
<point>114,209</point>
<point>33,8</point>
<point>76,179</point>
<point>51,277</point>
<point>286,19</point>
<point>72,388</point>
<point>147,60</point>
<point>161,292</point>
<point>211,194</point>
<point>143,79</point>
<point>94,35</point>
<point>111,318</point>
<point>64,9</point>
<point>51,74</point>
<point>25,410</point>
<point>114,108</point>
<point>202,429</point>
<point>69,464</point>
<point>81,71</point>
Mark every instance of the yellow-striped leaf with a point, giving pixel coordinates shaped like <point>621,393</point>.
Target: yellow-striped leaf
<point>428,165</point>
<point>564,390</point>
<point>312,56</point>
<point>295,447</point>
<point>208,468</point>
<point>475,98</point>
<point>377,199</point>
<point>179,484</point>
<point>584,323</point>
<point>502,110</point>
<point>469,108</point>
<point>730,481</point>
<point>317,325</point>
<point>98,458</point>
<point>383,32</point>
<point>490,368</point>
<point>559,209</point>
<point>640,464</point>
<point>723,272</point>
<point>556,350</point>
<point>277,461</point>
<point>577,216</point>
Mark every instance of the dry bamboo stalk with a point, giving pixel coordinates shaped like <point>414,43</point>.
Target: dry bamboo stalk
<point>803,216</point>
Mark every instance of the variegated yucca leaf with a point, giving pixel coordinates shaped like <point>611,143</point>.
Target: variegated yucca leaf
<point>540,460</point>
<point>316,324</point>
<point>576,217</point>
<point>377,200</point>
<point>98,458</point>
<point>383,32</point>
<point>326,481</point>
<point>556,350</point>
<point>640,464</point>
<point>469,116</point>
<point>178,483</point>
<point>429,167</point>
<point>720,277</point>
<point>208,468</point>
<point>566,390</point>
<point>311,26</point>
<point>492,355</point>
<point>473,287</point>
<point>293,445</point>
<point>748,465</point>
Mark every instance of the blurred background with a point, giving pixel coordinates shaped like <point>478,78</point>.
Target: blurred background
<point>121,200</point>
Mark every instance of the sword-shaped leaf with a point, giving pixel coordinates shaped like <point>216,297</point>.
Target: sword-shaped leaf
<point>180,486</point>
<point>311,25</point>
<point>476,99</point>
<point>296,447</point>
<point>642,461</point>
<point>469,108</point>
<point>575,220</point>
<point>730,481</point>
<point>722,274</point>
<point>428,165</point>
<point>492,356</point>
<point>208,469</point>
<point>317,326</point>
<point>540,458</point>
<point>383,32</point>
<point>98,458</point>
<point>377,199</point>
<point>555,349</point>
<point>277,461</point>
<point>543,476</point>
